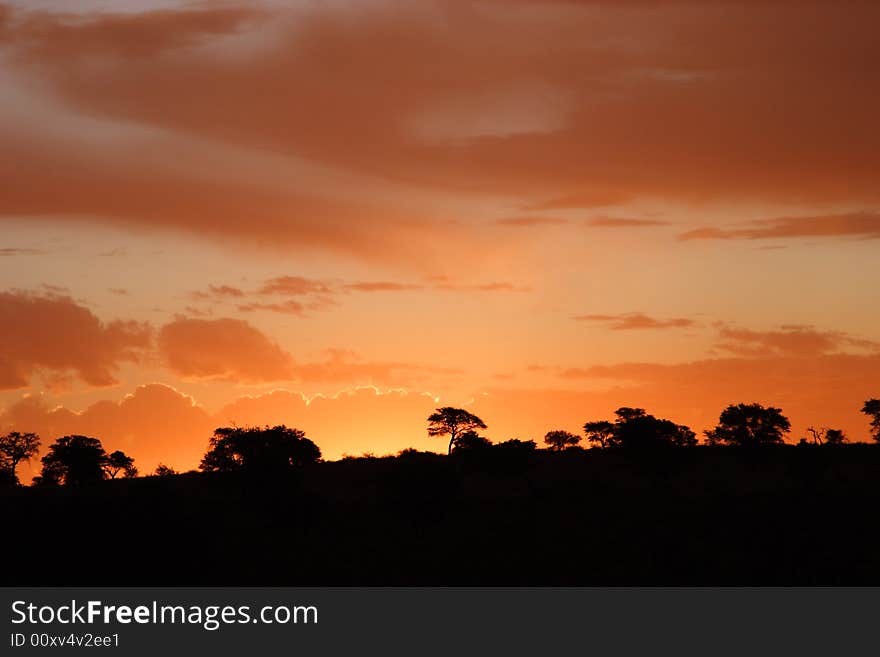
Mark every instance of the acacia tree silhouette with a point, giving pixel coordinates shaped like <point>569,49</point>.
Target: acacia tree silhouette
<point>453,422</point>
<point>559,440</point>
<point>872,410</point>
<point>74,461</point>
<point>16,447</point>
<point>119,461</point>
<point>749,425</point>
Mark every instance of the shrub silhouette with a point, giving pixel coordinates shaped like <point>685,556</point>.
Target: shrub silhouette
<point>558,440</point>
<point>453,422</point>
<point>516,445</point>
<point>253,449</point>
<point>74,461</point>
<point>471,441</point>
<point>16,447</point>
<point>750,425</point>
<point>163,470</point>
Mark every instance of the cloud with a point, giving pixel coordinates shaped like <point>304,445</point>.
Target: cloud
<point>636,321</point>
<point>381,286</point>
<point>217,293</point>
<point>788,341</point>
<point>222,349</point>
<point>11,251</point>
<point>314,294</point>
<point>346,366</point>
<point>54,336</point>
<point>864,225</point>
<point>617,222</point>
<point>180,113</point>
<point>294,286</point>
<point>289,307</point>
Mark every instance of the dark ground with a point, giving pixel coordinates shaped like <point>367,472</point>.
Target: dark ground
<point>707,516</point>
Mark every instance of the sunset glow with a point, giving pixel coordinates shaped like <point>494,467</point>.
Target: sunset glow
<point>340,215</point>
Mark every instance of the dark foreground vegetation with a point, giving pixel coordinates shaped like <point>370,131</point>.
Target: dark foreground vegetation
<point>646,504</point>
<point>705,515</point>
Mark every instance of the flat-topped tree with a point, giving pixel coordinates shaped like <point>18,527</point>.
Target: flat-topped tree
<point>453,422</point>
<point>559,440</point>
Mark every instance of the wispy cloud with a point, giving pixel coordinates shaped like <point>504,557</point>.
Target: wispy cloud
<point>11,251</point>
<point>636,321</point>
<point>865,225</point>
<point>623,222</point>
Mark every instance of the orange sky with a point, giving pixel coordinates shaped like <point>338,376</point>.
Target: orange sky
<point>338,215</point>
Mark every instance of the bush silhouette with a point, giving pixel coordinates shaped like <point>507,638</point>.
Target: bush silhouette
<point>471,441</point>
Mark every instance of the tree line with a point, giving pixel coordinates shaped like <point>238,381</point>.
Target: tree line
<point>76,460</point>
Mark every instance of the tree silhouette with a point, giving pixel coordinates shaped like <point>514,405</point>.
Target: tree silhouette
<point>74,461</point>
<point>825,436</point>
<point>601,432</point>
<point>16,447</point>
<point>117,462</point>
<point>749,425</point>
<point>453,422</point>
<point>254,449</point>
<point>625,413</point>
<point>872,410</point>
<point>558,439</point>
<point>636,429</point>
<point>834,437</point>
